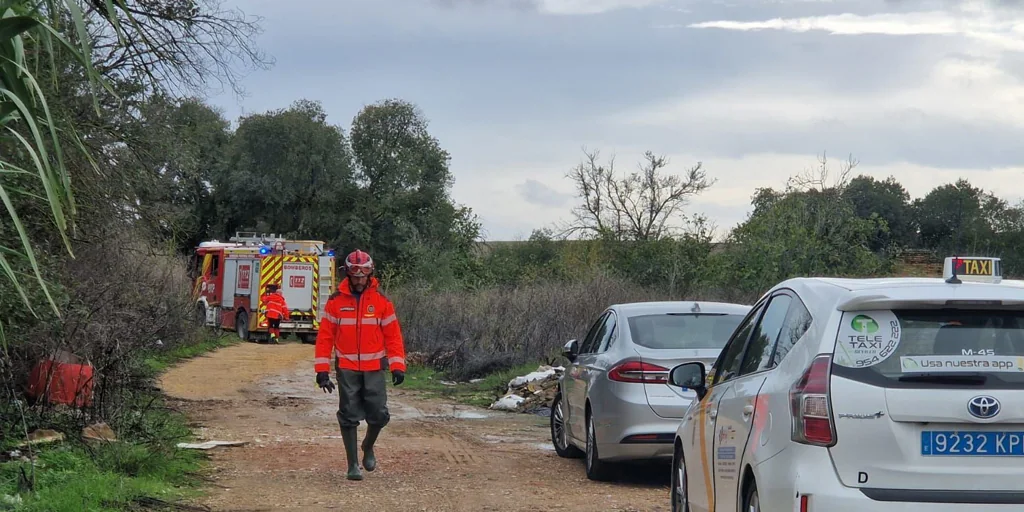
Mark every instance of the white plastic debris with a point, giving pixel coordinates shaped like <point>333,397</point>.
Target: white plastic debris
<point>508,403</point>
<point>209,445</point>
<point>8,500</point>
<point>544,372</point>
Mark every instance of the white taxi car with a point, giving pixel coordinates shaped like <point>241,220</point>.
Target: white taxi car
<point>851,395</point>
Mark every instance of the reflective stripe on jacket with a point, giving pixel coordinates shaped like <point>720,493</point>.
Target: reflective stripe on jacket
<point>275,306</point>
<point>359,332</point>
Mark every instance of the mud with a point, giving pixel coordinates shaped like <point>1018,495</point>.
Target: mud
<point>434,456</point>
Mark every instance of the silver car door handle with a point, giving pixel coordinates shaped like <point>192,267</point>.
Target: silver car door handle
<point>748,410</point>
<point>712,414</point>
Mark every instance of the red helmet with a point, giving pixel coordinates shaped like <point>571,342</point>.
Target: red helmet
<point>358,263</point>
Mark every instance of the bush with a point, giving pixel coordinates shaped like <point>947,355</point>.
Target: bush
<point>468,334</point>
<point>122,300</point>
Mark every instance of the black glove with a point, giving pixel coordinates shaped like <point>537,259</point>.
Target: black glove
<point>397,377</point>
<point>323,379</point>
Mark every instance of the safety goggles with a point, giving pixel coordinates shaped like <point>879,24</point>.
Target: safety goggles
<point>359,270</point>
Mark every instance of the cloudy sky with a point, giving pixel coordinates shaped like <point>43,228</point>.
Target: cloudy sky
<point>755,89</point>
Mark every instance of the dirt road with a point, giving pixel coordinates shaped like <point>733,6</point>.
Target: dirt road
<point>434,456</point>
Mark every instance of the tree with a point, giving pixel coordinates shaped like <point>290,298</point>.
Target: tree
<point>958,217</point>
<point>182,46</point>
<point>1008,240</point>
<point>886,200</point>
<point>642,206</point>
<point>32,163</point>
<point>74,73</point>
<point>68,137</point>
<point>178,148</point>
<point>405,213</point>
<point>286,171</point>
<point>810,229</point>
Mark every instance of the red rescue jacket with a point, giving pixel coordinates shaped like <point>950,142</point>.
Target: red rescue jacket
<point>275,306</point>
<point>359,332</point>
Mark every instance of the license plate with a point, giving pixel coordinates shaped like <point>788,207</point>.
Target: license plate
<point>974,444</point>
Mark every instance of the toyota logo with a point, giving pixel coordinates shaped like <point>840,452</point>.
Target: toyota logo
<point>983,407</point>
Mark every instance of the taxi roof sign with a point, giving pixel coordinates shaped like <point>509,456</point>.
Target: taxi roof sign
<point>972,268</point>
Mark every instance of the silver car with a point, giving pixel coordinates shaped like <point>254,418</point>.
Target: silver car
<point>614,403</point>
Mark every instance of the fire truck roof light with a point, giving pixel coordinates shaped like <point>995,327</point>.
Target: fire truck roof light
<point>264,250</point>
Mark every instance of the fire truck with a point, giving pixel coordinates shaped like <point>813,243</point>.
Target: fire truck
<point>231,277</point>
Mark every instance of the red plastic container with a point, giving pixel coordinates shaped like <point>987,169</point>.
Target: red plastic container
<point>64,379</point>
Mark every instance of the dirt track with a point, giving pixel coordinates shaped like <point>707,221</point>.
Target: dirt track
<point>433,456</point>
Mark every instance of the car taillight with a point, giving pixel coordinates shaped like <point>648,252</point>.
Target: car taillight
<point>637,371</point>
<point>809,404</point>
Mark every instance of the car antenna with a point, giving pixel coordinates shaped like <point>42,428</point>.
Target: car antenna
<point>953,279</point>
<point>695,308</point>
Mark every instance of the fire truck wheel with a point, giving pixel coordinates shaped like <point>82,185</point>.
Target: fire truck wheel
<point>308,339</point>
<point>200,315</point>
<point>242,325</point>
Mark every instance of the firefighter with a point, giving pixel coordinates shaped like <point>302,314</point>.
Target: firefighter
<point>276,309</point>
<point>359,326</point>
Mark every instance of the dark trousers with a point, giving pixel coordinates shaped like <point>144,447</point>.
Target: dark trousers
<point>363,395</point>
<point>274,325</point>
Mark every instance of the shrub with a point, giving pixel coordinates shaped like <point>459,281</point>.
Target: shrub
<point>469,334</point>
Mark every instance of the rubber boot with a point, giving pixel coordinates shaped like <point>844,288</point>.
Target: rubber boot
<point>349,435</point>
<point>369,461</point>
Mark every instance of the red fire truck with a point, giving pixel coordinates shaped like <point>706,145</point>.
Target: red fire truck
<point>231,277</point>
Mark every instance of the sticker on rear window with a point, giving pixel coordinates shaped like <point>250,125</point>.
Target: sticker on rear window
<point>867,338</point>
<point>983,363</point>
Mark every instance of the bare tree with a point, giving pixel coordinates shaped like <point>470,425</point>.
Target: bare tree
<point>828,186</point>
<point>823,178</point>
<point>642,205</point>
<point>181,46</point>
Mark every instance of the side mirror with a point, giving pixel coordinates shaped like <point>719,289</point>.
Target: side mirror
<point>571,350</point>
<point>691,376</point>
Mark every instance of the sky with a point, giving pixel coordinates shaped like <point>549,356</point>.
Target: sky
<point>755,90</point>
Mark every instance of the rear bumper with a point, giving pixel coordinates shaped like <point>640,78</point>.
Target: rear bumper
<point>798,470</point>
<point>293,326</point>
<point>624,418</point>
<point>628,452</point>
<point>846,499</point>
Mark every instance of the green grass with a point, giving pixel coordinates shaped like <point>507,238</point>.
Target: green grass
<point>138,472</point>
<point>161,361</point>
<point>70,476</point>
<point>481,394</point>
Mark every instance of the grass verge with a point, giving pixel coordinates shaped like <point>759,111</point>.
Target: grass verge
<point>161,361</point>
<point>479,392</point>
<point>143,470</point>
<point>120,475</point>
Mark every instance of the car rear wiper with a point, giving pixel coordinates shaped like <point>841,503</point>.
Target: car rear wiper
<point>946,378</point>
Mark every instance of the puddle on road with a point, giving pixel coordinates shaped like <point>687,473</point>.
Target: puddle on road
<point>492,439</point>
<point>529,442</point>
<point>471,415</point>
<point>297,387</point>
<point>403,411</point>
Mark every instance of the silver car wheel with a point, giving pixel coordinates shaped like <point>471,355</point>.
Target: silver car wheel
<point>560,434</point>
<point>591,439</point>
<point>682,499</point>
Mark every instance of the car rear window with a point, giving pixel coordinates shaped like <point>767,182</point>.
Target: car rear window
<point>902,347</point>
<point>683,330</point>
